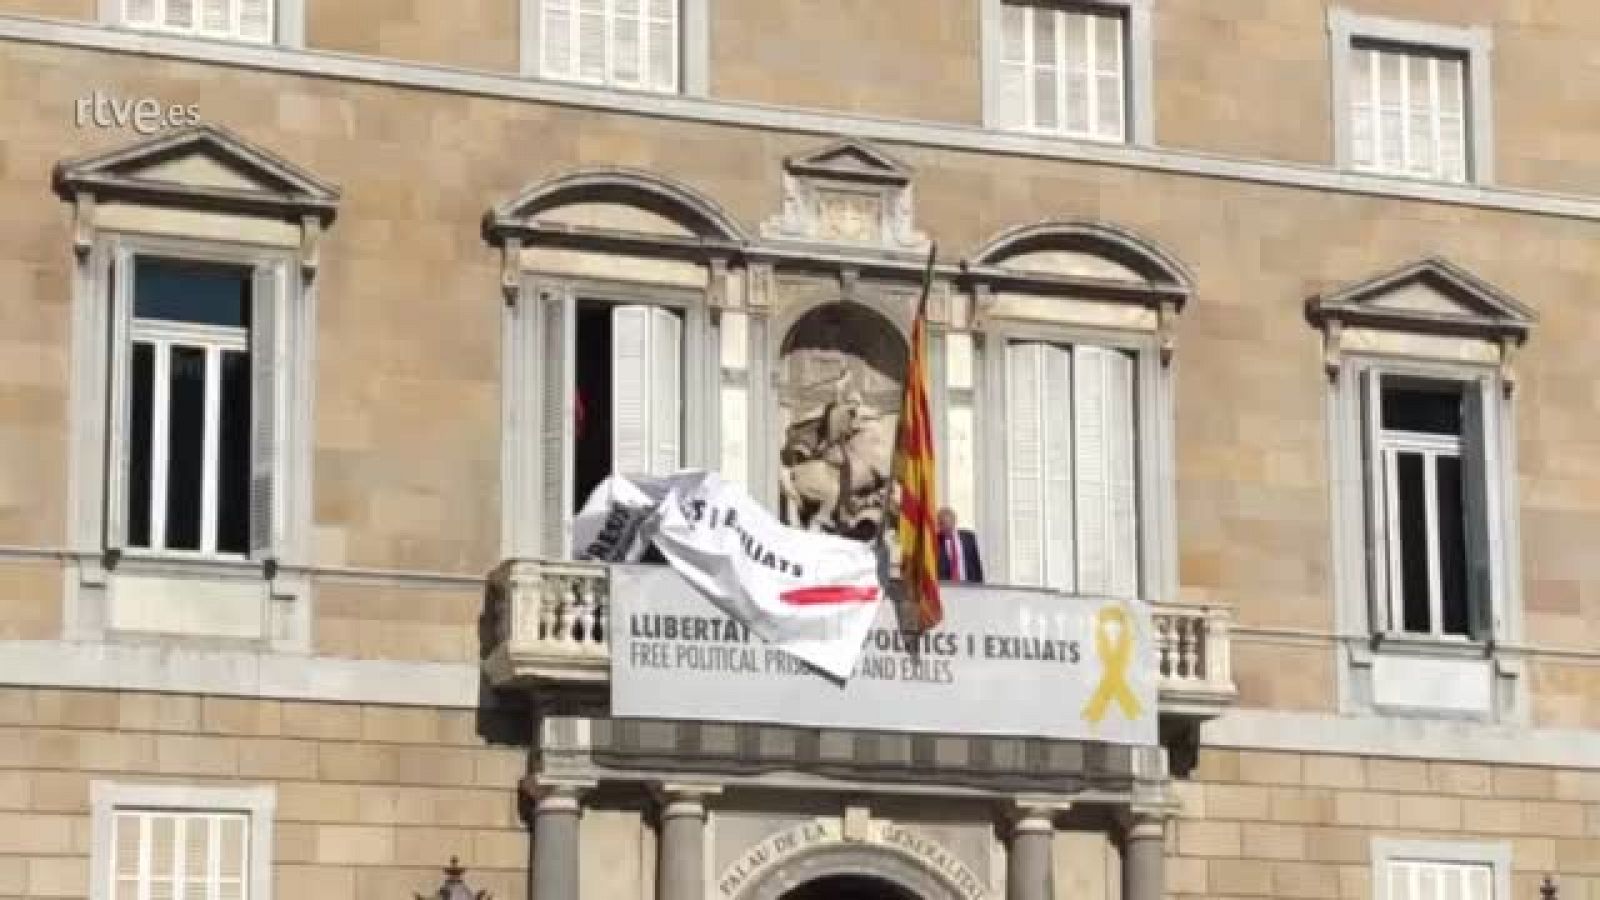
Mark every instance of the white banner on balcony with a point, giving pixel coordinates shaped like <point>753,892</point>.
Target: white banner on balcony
<point>1003,662</point>
<point>814,595</point>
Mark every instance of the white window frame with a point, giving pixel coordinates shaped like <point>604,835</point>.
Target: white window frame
<point>529,529</point>
<point>693,45</point>
<point>1138,113</point>
<point>288,23</point>
<point>213,340</point>
<point>1474,45</point>
<point>1388,851</point>
<point>1431,447</point>
<point>1155,568</point>
<point>107,798</point>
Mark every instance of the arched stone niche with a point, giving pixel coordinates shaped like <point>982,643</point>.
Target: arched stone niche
<point>838,382</point>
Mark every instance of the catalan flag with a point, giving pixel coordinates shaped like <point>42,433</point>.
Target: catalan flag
<point>914,476</point>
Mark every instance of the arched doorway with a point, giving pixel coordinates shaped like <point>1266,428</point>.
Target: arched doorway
<point>850,887</point>
<point>841,373</point>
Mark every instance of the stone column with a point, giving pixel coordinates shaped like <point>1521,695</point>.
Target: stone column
<point>1029,872</point>
<point>557,808</point>
<point>681,856</point>
<point>1144,855</point>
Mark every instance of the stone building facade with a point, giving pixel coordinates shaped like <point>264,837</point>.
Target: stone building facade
<point>298,298</point>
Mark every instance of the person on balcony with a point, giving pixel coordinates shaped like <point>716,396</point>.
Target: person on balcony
<point>958,551</point>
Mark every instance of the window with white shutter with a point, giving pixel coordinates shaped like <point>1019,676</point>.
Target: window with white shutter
<point>1070,467</point>
<point>196,413</point>
<point>173,855</point>
<point>177,842</point>
<point>619,43</point>
<point>614,399</point>
<point>1439,870</point>
<point>1062,69</point>
<point>1408,111</point>
<point>237,20</point>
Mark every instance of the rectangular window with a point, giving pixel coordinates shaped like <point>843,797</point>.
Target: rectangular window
<point>188,439</point>
<point>1431,879</point>
<point>238,20</point>
<point>1070,414</point>
<point>179,855</point>
<point>614,400</point>
<point>1062,70</point>
<point>618,43</point>
<point>1408,111</point>
<point>1426,444</point>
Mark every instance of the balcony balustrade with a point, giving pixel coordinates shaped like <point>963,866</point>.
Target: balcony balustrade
<point>550,619</point>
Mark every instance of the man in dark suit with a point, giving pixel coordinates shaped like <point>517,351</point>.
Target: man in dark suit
<point>958,550</point>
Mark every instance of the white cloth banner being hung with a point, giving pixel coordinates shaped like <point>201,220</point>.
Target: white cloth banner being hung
<point>814,595</point>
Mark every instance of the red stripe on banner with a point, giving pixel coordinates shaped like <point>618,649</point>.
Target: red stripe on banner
<point>822,596</point>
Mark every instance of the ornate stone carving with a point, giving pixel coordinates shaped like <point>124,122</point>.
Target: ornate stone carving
<point>848,194</point>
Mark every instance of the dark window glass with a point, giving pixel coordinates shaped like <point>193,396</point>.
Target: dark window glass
<point>233,464</point>
<point>1435,410</point>
<point>1413,527</point>
<point>183,291</point>
<point>1453,548</point>
<point>592,430</point>
<point>141,394</point>
<point>185,447</point>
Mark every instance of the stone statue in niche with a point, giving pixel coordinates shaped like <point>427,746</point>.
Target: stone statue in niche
<point>841,376</point>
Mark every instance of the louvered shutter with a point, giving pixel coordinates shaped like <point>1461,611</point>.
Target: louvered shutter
<point>661,41</point>
<point>1045,48</point>
<point>162,852</point>
<point>1452,114</point>
<point>127,862</point>
<point>556,48</point>
<point>139,12</point>
<point>556,422</point>
<point>120,269</point>
<point>627,42</point>
<point>666,385</point>
<point>1391,112</point>
<point>1363,99</point>
<point>1058,520</point>
<point>1420,108</point>
<point>1078,79</point>
<point>592,40</point>
<point>216,16</point>
<point>1122,526</point>
<point>1025,462</point>
<point>1011,91</point>
<point>180,14</point>
<point>256,19</point>
<point>1092,475</point>
<point>197,856</point>
<point>266,322</point>
<point>1475,486</point>
<point>631,390</point>
<point>1370,401</point>
<point>232,858</point>
<point>1108,77</point>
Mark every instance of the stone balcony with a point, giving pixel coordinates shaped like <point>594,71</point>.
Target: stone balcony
<point>549,621</point>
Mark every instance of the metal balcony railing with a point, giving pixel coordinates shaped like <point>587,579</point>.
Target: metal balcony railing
<point>550,619</point>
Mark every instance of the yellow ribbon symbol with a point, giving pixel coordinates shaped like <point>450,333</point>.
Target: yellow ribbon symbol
<point>1113,643</point>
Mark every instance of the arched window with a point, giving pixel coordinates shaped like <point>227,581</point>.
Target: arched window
<point>1063,383</point>
<point>611,350</point>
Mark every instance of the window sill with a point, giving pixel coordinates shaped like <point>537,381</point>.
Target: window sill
<point>1415,179</point>
<point>1431,647</point>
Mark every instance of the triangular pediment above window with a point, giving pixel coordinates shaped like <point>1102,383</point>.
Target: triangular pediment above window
<point>847,195</point>
<point>850,159</point>
<point>205,166</point>
<point>1430,296</point>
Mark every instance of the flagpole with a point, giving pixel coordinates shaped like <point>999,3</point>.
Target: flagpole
<point>889,506</point>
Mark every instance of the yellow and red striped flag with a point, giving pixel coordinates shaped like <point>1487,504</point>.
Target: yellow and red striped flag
<point>914,476</point>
